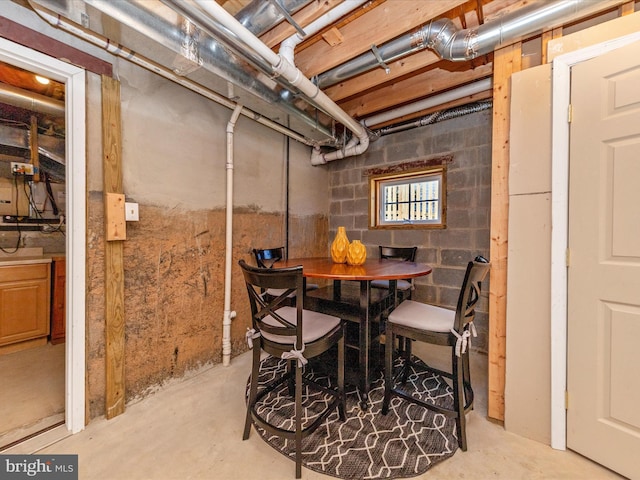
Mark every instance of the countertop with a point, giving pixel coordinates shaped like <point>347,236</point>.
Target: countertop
<point>9,261</point>
<point>26,256</point>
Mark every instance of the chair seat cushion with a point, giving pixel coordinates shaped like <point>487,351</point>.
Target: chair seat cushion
<point>423,316</point>
<point>402,284</point>
<point>315,325</point>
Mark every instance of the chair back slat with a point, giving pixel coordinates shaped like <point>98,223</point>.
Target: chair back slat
<point>266,257</point>
<point>263,307</point>
<point>407,254</point>
<point>476,272</point>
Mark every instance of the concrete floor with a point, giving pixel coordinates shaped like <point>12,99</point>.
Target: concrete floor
<point>192,429</point>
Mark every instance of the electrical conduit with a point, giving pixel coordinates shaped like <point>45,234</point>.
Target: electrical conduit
<point>228,314</point>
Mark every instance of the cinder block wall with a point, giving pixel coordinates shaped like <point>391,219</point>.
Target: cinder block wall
<point>467,139</point>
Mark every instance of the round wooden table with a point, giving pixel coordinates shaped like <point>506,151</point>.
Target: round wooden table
<point>365,307</point>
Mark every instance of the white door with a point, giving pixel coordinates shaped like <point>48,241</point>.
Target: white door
<point>603,364</point>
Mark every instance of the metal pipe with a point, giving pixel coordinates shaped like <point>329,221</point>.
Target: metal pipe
<point>449,43</point>
<point>123,52</point>
<point>30,101</point>
<point>259,16</point>
<point>435,118</point>
<point>159,27</point>
<point>434,100</point>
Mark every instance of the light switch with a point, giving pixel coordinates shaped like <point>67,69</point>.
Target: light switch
<point>131,212</point>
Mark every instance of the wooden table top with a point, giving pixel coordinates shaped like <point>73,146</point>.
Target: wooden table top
<point>372,269</point>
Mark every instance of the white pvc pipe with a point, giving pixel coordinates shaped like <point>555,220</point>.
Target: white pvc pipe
<point>288,45</point>
<point>282,66</point>
<point>116,49</point>
<point>228,314</point>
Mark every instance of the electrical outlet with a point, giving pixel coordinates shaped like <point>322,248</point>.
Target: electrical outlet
<point>18,168</point>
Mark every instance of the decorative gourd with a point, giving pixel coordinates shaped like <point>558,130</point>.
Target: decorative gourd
<point>339,246</point>
<point>357,253</point>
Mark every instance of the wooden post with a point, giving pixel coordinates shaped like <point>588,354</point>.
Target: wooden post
<point>114,266</point>
<point>33,145</point>
<point>506,60</point>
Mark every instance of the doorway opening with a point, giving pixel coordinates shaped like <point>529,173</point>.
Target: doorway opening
<point>73,79</point>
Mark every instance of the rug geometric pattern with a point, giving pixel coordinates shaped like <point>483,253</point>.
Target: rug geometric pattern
<point>368,445</point>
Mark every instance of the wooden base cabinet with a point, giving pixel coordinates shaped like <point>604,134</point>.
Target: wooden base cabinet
<point>58,299</point>
<point>24,302</point>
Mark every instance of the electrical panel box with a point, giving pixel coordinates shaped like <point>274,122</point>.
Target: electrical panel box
<point>10,191</point>
<point>52,203</point>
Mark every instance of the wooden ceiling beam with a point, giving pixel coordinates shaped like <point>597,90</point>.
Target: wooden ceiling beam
<point>373,78</point>
<point>412,89</point>
<point>376,27</point>
<point>408,64</point>
<point>476,97</point>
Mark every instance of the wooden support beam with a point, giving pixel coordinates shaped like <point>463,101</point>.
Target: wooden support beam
<point>506,61</point>
<point>33,147</point>
<point>43,43</point>
<point>114,264</point>
<point>333,37</point>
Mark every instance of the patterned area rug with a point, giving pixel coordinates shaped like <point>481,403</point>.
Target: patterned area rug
<point>368,445</point>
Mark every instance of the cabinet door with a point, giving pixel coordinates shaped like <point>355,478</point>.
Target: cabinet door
<point>24,303</point>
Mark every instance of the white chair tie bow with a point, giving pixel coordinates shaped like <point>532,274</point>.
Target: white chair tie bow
<point>461,342</point>
<point>294,354</point>
<point>464,341</point>
<point>251,335</point>
<point>473,329</point>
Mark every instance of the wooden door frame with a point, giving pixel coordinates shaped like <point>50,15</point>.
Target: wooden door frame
<point>560,155</point>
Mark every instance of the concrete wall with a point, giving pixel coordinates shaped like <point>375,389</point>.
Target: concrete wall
<point>468,140</point>
<point>173,163</point>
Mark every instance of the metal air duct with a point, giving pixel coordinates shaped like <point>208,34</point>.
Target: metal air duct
<point>171,33</point>
<point>30,101</point>
<point>443,37</point>
<point>259,16</point>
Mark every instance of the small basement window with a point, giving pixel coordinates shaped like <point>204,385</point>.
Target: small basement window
<point>408,199</point>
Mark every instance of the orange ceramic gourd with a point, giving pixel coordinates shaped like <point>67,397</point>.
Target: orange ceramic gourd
<point>357,253</point>
<point>339,246</point>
